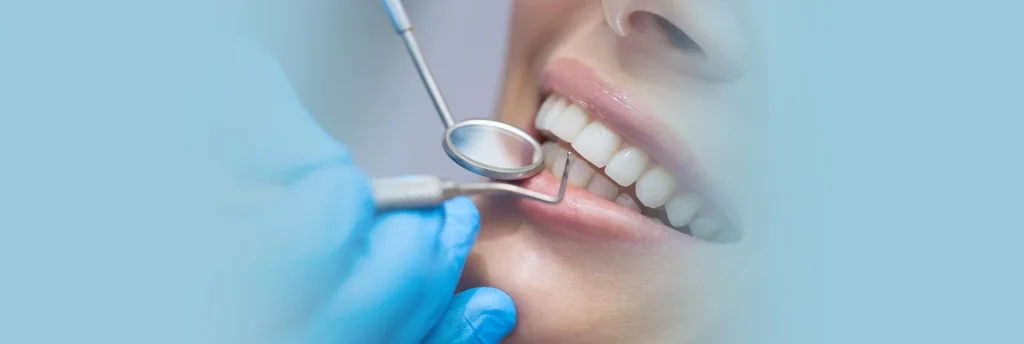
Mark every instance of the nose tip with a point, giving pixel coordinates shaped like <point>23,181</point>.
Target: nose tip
<point>715,44</point>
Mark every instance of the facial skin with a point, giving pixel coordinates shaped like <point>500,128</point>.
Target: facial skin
<point>574,287</point>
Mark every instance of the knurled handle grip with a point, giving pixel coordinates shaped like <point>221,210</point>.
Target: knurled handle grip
<point>408,192</point>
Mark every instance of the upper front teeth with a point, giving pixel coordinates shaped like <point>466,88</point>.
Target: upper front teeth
<point>621,163</point>
<point>552,105</point>
<point>567,123</point>
<point>596,143</point>
<point>626,166</point>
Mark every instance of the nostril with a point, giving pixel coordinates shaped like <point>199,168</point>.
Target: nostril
<point>649,22</point>
<point>700,38</point>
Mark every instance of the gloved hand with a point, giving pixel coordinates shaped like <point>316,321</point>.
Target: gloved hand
<point>325,266</point>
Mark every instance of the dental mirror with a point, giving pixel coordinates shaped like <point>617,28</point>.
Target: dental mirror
<point>488,148</point>
<point>493,149</point>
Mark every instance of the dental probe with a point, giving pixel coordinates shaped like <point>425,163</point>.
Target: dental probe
<point>431,191</point>
<point>404,28</point>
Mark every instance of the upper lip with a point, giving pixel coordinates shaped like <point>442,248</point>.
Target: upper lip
<point>576,81</point>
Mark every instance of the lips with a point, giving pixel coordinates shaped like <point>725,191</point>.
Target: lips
<point>634,181</point>
<point>582,212</point>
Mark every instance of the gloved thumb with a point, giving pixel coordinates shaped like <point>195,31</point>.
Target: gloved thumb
<point>478,316</point>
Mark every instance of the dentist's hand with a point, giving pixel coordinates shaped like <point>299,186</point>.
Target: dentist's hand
<point>326,266</point>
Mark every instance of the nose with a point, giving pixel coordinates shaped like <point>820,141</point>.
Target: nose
<point>706,33</point>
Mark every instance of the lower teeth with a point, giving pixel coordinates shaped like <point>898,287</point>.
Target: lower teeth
<point>583,175</point>
<point>635,183</point>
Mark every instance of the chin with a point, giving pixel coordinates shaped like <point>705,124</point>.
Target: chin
<point>649,244</point>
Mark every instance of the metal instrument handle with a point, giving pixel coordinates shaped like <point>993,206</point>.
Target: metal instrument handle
<point>409,192</point>
<point>400,20</point>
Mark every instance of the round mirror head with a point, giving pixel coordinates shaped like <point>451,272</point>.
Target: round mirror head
<point>493,149</point>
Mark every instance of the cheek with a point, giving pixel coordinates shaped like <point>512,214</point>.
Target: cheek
<point>555,301</point>
<point>569,292</point>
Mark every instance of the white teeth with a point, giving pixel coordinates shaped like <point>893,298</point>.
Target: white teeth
<point>626,201</point>
<point>558,168</point>
<point>543,113</point>
<point>597,143</point>
<point>704,227</point>
<point>597,146</point>
<point>626,166</point>
<point>568,123</point>
<point>655,187</point>
<point>580,173</point>
<point>682,208</point>
<point>602,187</point>
<point>550,151</point>
<point>549,111</point>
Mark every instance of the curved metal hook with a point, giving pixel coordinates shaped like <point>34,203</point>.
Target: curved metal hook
<point>484,188</point>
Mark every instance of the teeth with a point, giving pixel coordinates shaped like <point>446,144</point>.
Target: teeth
<point>550,151</point>
<point>602,187</point>
<point>682,208</point>
<point>548,111</point>
<point>704,227</point>
<point>558,168</point>
<point>579,173</point>
<point>626,201</point>
<point>568,123</point>
<point>626,166</point>
<point>597,143</point>
<point>655,187</point>
<point>598,146</point>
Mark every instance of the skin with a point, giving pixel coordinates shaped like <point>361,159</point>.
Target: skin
<point>588,289</point>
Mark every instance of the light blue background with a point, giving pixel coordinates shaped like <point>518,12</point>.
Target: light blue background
<point>901,125</point>
<point>355,75</point>
<point>895,129</point>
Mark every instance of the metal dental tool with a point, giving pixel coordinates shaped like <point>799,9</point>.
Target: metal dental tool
<point>488,148</point>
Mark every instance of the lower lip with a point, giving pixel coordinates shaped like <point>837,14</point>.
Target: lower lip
<point>583,213</point>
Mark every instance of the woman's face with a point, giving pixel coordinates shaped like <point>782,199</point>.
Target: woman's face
<point>647,243</point>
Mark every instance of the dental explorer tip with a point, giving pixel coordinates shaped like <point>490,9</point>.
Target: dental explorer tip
<point>565,176</point>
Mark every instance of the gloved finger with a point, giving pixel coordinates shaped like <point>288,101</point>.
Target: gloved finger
<point>387,282</point>
<point>431,241</point>
<point>461,224</point>
<point>410,267</point>
<point>292,200</point>
<point>267,132</point>
<point>478,316</point>
<point>294,243</point>
<point>454,242</point>
<point>290,187</point>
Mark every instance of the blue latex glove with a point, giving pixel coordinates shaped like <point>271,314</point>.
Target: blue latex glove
<point>329,268</point>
